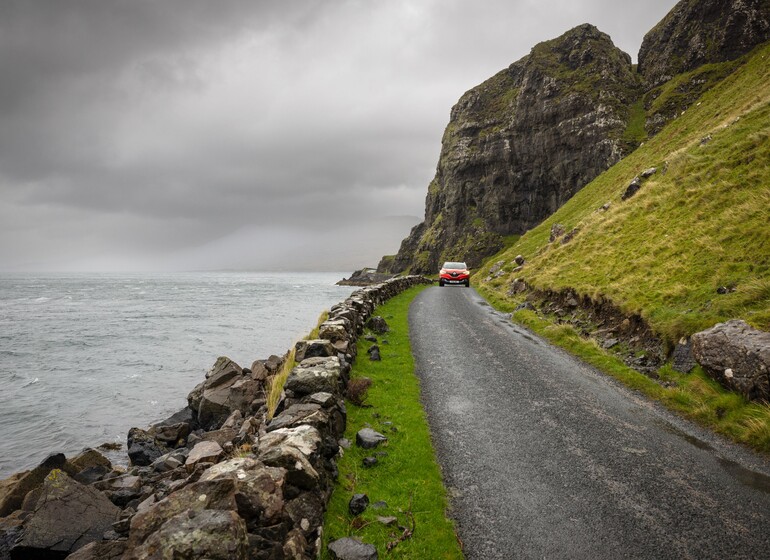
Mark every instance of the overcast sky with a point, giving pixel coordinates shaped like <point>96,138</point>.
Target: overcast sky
<point>197,134</point>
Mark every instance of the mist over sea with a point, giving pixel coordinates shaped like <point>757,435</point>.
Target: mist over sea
<point>83,358</point>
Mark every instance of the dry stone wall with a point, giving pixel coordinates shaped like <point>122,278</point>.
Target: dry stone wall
<point>219,479</point>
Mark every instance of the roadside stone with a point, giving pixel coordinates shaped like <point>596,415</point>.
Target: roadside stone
<point>358,504</point>
<point>682,359</point>
<point>526,305</point>
<point>67,516</point>
<point>374,353</point>
<point>370,461</point>
<point>610,343</point>
<point>387,520</point>
<point>517,286</point>
<point>519,259</point>
<point>369,439</point>
<point>737,355</point>
<point>349,548</point>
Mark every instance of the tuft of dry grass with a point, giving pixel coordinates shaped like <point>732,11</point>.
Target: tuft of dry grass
<point>276,383</point>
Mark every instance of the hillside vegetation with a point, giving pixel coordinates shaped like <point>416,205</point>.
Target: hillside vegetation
<point>700,223</point>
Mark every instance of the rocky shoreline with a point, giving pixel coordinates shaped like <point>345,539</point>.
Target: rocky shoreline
<point>218,479</point>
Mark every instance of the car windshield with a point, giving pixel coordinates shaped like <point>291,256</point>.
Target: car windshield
<point>455,265</point>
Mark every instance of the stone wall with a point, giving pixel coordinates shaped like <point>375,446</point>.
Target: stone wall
<point>219,479</point>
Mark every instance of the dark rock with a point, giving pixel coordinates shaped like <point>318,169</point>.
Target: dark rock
<point>370,338</point>
<point>171,435</point>
<point>737,355</point>
<point>143,448</point>
<point>519,259</point>
<point>374,353</point>
<point>369,439</point>
<point>358,504</point>
<point>682,359</point>
<point>296,414</point>
<point>632,188</point>
<point>570,236</point>
<point>370,461</point>
<point>517,286</point>
<point>526,305</point>
<point>349,548</point>
<point>365,277</point>
<point>378,325</point>
<point>605,207</point>
<point>318,348</point>
<point>67,516</point>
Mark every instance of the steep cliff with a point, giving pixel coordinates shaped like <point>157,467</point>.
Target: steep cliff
<point>698,32</point>
<point>520,145</point>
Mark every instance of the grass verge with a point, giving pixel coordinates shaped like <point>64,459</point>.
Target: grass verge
<point>406,476</point>
<point>695,395</point>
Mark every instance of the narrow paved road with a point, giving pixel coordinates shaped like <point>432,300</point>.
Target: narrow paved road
<point>547,458</point>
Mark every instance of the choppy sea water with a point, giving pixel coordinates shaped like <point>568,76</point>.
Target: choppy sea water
<point>83,358</point>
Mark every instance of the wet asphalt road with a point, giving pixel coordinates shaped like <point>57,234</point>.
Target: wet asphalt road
<point>545,457</point>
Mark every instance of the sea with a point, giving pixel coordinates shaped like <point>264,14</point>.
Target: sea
<point>85,357</point>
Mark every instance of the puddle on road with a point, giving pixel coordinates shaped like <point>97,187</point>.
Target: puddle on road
<point>747,477</point>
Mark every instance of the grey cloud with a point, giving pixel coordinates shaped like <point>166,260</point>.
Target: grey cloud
<point>166,128</point>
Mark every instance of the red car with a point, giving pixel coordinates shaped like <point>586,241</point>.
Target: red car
<point>454,273</point>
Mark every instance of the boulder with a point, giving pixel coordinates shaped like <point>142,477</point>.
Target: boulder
<point>333,330</point>
<point>632,188</point>
<point>195,497</point>
<point>358,504</point>
<point>316,348</point>
<point>203,452</point>
<point>557,230</point>
<point>310,414</point>
<point>349,548</point>
<point>737,355</point>
<point>67,516</point>
<point>14,489</point>
<point>259,488</point>
<point>294,449</point>
<point>369,439</point>
<point>143,448</point>
<point>315,375</point>
<point>210,534</point>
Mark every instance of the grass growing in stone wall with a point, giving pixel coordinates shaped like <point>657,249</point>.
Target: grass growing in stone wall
<point>275,387</point>
<point>406,476</point>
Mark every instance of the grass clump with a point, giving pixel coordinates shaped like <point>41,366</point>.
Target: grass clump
<point>406,476</point>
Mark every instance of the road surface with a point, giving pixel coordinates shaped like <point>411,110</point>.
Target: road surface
<point>545,457</point>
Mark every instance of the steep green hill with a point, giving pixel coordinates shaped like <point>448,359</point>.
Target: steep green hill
<point>692,246</point>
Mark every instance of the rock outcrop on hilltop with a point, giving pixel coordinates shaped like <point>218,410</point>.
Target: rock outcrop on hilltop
<point>697,32</point>
<point>520,145</point>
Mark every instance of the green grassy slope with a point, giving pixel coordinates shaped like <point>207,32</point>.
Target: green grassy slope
<point>701,222</point>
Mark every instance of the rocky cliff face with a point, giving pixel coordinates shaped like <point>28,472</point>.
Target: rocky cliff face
<point>520,145</point>
<point>697,32</point>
